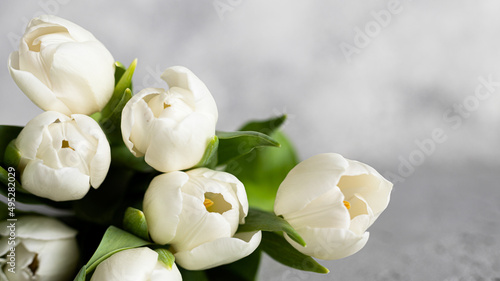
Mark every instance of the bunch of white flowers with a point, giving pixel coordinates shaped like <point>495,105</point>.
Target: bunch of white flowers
<point>171,197</point>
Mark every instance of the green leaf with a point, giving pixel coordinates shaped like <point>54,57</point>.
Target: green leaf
<point>122,157</point>
<point>12,155</point>
<point>110,116</point>
<point>165,257</point>
<point>267,127</point>
<point>7,134</point>
<point>266,221</point>
<point>263,170</point>
<point>209,158</point>
<point>111,121</point>
<point>113,241</point>
<point>134,222</point>
<point>82,274</point>
<point>124,83</point>
<point>279,249</point>
<point>235,144</point>
<point>119,71</point>
<point>244,269</point>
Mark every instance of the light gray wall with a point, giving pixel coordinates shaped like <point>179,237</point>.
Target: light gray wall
<point>403,81</point>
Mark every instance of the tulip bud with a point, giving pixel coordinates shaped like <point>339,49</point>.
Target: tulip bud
<point>61,156</point>
<point>171,128</point>
<point>45,250</point>
<point>139,264</point>
<point>197,213</point>
<point>62,67</point>
<point>331,201</point>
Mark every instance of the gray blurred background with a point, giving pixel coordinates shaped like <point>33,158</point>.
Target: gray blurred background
<point>410,87</point>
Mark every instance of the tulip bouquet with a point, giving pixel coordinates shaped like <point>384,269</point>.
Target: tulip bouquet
<point>145,186</point>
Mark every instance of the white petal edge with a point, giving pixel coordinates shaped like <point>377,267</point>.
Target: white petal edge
<point>30,137</point>
<point>40,228</point>
<point>34,89</point>
<point>163,205</point>
<point>220,251</point>
<point>128,265</point>
<point>181,77</point>
<point>128,117</point>
<point>56,184</point>
<point>99,165</point>
<point>320,173</point>
<point>329,243</point>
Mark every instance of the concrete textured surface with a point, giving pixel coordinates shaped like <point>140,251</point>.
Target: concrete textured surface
<point>409,87</point>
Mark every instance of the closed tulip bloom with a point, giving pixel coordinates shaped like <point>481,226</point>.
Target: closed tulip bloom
<point>331,201</point>
<point>61,156</point>
<point>62,67</point>
<point>171,128</point>
<point>197,213</point>
<point>45,250</point>
<point>139,264</point>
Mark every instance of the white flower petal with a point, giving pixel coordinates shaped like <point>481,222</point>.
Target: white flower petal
<point>197,226</point>
<point>163,218</point>
<point>128,265</point>
<point>377,195</point>
<point>91,76</point>
<point>137,118</point>
<point>237,187</point>
<point>40,228</point>
<point>327,210</point>
<point>181,77</point>
<point>76,31</point>
<point>57,259</point>
<point>219,252</point>
<point>56,184</point>
<point>329,243</point>
<point>39,93</point>
<point>308,180</point>
<point>160,273</point>
<point>101,161</point>
<point>180,147</point>
<point>30,137</point>
<point>62,67</point>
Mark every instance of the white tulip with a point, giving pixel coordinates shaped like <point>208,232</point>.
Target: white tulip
<point>45,250</point>
<point>331,201</point>
<point>198,213</point>
<point>61,156</point>
<point>62,67</point>
<point>139,264</point>
<point>171,128</point>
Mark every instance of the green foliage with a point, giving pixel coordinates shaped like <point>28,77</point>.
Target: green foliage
<point>12,155</point>
<point>122,157</point>
<point>209,158</point>
<point>261,220</point>
<point>263,170</point>
<point>110,117</point>
<point>236,144</point>
<point>279,249</point>
<point>134,222</point>
<point>7,134</point>
<point>165,257</point>
<point>113,241</point>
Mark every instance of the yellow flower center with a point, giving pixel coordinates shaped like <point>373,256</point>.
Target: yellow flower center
<point>165,105</point>
<point>347,205</point>
<point>208,203</point>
